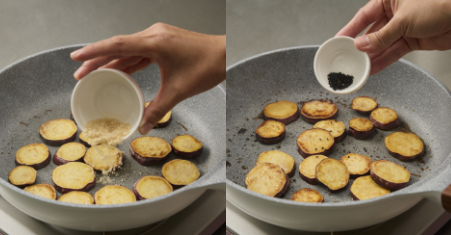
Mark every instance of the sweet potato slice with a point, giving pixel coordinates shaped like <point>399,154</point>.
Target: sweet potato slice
<point>307,168</point>
<point>270,132</point>
<point>105,158</point>
<point>34,155</point>
<point>336,128</point>
<point>404,146</point>
<point>151,186</point>
<point>332,173</point>
<point>283,111</point>
<point>70,152</point>
<point>180,172</point>
<point>165,121</point>
<point>314,142</point>
<point>58,131</point>
<point>280,158</point>
<point>363,104</point>
<point>149,150</point>
<point>307,195</point>
<point>361,128</point>
<point>186,146</point>
<point>114,194</point>
<point>77,197</point>
<point>365,188</point>
<point>84,140</point>
<point>73,176</point>
<point>357,164</point>
<point>267,179</point>
<point>317,110</point>
<point>43,190</point>
<point>389,174</point>
<point>22,176</point>
<point>384,118</point>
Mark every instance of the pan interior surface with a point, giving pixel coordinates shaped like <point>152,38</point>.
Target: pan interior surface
<point>423,105</point>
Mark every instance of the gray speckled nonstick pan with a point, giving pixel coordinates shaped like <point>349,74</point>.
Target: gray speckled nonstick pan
<point>422,102</point>
<point>38,88</point>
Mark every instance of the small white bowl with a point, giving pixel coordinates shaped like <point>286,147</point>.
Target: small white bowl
<point>108,93</point>
<point>340,55</point>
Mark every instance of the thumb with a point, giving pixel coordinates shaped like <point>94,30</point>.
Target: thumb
<point>382,39</point>
<point>152,114</point>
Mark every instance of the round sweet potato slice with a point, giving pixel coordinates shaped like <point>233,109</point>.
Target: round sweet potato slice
<point>151,186</point>
<point>361,128</point>
<point>270,132</point>
<point>307,168</point>
<point>336,128</point>
<point>404,146</point>
<point>105,158</point>
<point>69,152</point>
<point>267,179</point>
<point>384,118</point>
<point>186,146</point>
<point>389,174</point>
<point>332,173</point>
<point>315,141</point>
<point>114,194</point>
<point>34,155</point>
<point>357,164</point>
<point>22,176</point>
<point>149,150</point>
<point>43,190</point>
<point>58,131</point>
<point>180,172</point>
<point>317,110</point>
<point>165,121</point>
<point>363,104</point>
<point>307,195</point>
<point>283,111</point>
<point>73,176</point>
<point>280,158</point>
<point>84,140</point>
<point>365,188</point>
<point>77,197</point>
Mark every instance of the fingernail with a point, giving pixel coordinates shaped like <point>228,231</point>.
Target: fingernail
<point>363,41</point>
<point>77,74</point>
<point>75,53</point>
<point>145,127</point>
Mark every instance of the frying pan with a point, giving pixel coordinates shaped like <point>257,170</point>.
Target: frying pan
<point>38,88</point>
<point>422,102</point>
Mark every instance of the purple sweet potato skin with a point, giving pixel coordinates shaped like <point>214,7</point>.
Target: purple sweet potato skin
<point>362,135</point>
<point>287,120</point>
<point>313,121</point>
<point>325,152</point>
<point>386,126</point>
<point>312,181</point>
<point>341,137</point>
<point>387,184</point>
<point>58,142</point>
<point>164,124</point>
<point>354,197</point>
<point>147,161</point>
<point>88,187</point>
<point>272,140</point>
<point>407,158</point>
<point>284,189</point>
<point>60,161</point>
<point>186,154</point>
<point>37,166</point>
<point>291,173</point>
<point>85,143</point>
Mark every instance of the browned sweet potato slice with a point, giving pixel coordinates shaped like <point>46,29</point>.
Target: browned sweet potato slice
<point>361,128</point>
<point>43,190</point>
<point>307,168</point>
<point>105,158</point>
<point>77,197</point>
<point>280,158</point>
<point>186,146</point>
<point>84,140</point>
<point>270,132</point>
<point>70,152</point>
<point>384,118</point>
<point>58,131</point>
<point>315,141</point>
<point>365,188</point>
<point>283,111</point>
<point>357,164</point>
<point>336,128</point>
<point>165,121</point>
<point>149,150</point>
<point>307,195</point>
<point>389,174</point>
<point>180,172</point>
<point>332,173</point>
<point>317,110</point>
<point>22,176</point>
<point>404,146</point>
<point>34,155</point>
<point>114,194</point>
<point>73,176</point>
<point>363,104</point>
<point>151,186</point>
<point>267,179</point>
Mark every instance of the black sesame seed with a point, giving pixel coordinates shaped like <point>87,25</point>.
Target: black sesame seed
<point>322,147</point>
<point>315,148</point>
<point>339,81</point>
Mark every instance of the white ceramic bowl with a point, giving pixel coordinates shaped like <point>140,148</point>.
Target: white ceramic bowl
<point>340,55</point>
<point>108,93</point>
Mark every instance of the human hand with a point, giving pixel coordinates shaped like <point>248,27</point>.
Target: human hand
<point>399,27</point>
<point>189,63</point>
